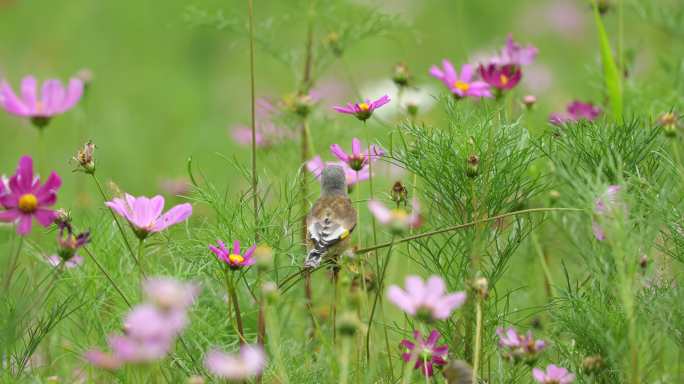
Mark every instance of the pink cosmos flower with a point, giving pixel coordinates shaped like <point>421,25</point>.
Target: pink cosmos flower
<point>553,375</point>
<point>316,166</point>
<point>54,99</point>
<point>427,300</point>
<point>268,130</point>
<point>73,262</point>
<point>460,85</point>
<point>517,346</point>
<point>398,219</point>
<point>132,350</point>
<point>576,111</point>
<point>357,160</point>
<point>170,294</point>
<point>426,353</point>
<point>604,206</point>
<point>26,199</point>
<point>515,54</point>
<point>145,214</point>
<point>234,258</point>
<point>149,322</point>
<point>363,110</point>
<point>501,77</point>
<point>248,363</point>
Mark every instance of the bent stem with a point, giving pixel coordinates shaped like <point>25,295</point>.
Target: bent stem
<point>109,278</point>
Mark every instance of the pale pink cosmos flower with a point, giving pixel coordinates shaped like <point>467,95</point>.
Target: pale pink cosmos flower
<point>363,110</point>
<point>249,363</point>
<point>398,219</point>
<point>357,159</point>
<point>72,262</point>
<point>316,166</point>
<point>131,350</point>
<point>149,322</point>
<point>24,198</point>
<point>463,84</point>
<point>234,258</point>
<point>170,294</point>
<point>425,352</point>
<point>145,214</point>
<point>517,346</point>
<point>427,300</point>
<point>515,54</point>
<point>54,99</point>
<point>553,375</point>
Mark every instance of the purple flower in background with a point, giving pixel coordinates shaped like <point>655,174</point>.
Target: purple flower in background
<point>426,353</point>
<point>53,100</point>
<point>517,346</point>
<point>248,363</point>
<point>576,111</point>
<point>357,159</point>
<point>316,166</point>
<point>268,129</point>
<point>428,301</point>
<point>170,294</point>
<point>398,219</point>
<point>363,110</point>
<point>515,54</point>
<point>461,85</point>
<point>234,258</point>
<point>145,214</point>
<point>553,375</point>
<point>603,207</point>
<point>501,77</point>
<point>25,198</point>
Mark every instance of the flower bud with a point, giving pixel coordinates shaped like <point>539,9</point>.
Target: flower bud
<point>399,193</point>
<point>529,101</point>
<point>332,41</point>
<point>481,286</point>
<point>412,109</point>
<point>270,291</point>
<point>401,76</point>
<point>668,121</point>
<point>473,166</point>
<point>84,158</point>
<point>263,254</point>
<point>348,323</point>
<point>592,364</point>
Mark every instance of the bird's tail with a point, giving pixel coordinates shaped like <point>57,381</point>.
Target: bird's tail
<point>313,259</point>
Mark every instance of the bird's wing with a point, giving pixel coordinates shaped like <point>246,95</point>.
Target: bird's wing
<point>331,220</point>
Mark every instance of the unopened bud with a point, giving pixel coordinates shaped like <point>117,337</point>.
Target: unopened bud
<point>332,41</point>
<point>270,291</point>
<point>529,101</point>
<point>554,196</point>
<point>401,76</point>
<point>263,254</point>
<point>412,109</point>
<point>348,323</point>
<point>84,158</point>
<point>668,121</point>
<point>473,166</point>
<point>481,286</point>
<point>399,193</point>
<point>592,364</point>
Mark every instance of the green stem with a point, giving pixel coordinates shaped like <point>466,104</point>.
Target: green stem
<point>141,251</point>
<point>548,280</point>
<point>478,338</point>
<point>109,278</point>
<point>344,360</point>
<point>378,292</point>
<point>236,306</point>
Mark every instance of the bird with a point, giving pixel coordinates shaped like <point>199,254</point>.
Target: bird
<point>331,220</point>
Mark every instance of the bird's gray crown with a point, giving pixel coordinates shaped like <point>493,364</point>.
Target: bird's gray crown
<point>333,181</point>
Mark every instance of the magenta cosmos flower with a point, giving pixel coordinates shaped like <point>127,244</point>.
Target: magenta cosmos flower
<point>398,219</point>
<point>145,214</point>
<point>426,300</point>
<point>517,346</point>
<point>242,366</point>
<point>576,111</point>
<point>316,166</point>
<point>515,54</point>
<point>357,159</point>
<point>234,258</point>
<point>69,243</point>
<point>426,353</point>
<point>501,77</point>
<point>53,100</point>
<point>461,85</point>
<point>363,110</point>
<point>553,375</point>
<point>25,198</point>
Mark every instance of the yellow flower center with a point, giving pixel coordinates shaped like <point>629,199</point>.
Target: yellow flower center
<point>236,259</point>
<point>28,203</point>
<point>399,214</point>
<point>364,106</point>
<point>463,86</point>
<point>504,79</point>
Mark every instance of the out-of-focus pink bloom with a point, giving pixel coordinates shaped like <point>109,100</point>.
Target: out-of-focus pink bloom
<point>103,360</point>
<point>170,294</point>
<point>428,301</point>
<point>26,198</point>
<point>604,207</point>
<point>564,17</point>
<point>529,101</point>
<point>248,363</point>
<point>268,130</point>
<point>149,322</point>
<point>515,54</point>
<point>461,85</point>
<point>235,259</point>
<point>145,214</point>
<point>175,187</point>
<point>426,353</point>
<point>553,375</point>
<point>517,346</point>
<point>131,350</point>
<point>364,109</point>
<point>501,77</point>
<point>357,159</point>
<point>316,166</point>
<point>53,100</point>
<point>576,111</point>
<point>73,262</point>
<point>398,219</point>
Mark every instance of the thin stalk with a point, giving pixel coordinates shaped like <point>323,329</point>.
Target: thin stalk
<point>109,278</point>
<point>344,360</point>
<point>548,280</point>
<point>13,264</point>
<point>255,197</point>
<point>333,306</point>
<point>378,292</point>
<point>141,251</point>
<point>478,338</point>
<point>116,220</point>
<point>230,286</point>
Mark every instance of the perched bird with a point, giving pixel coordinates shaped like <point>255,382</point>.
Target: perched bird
<point>331,220</point>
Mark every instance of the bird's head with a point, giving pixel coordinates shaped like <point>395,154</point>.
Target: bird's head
<point>333,181</point>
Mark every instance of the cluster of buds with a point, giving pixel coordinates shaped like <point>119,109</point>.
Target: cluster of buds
<point>518,347</point>
<point>84,158</point>
<point>669,122</point>
<point>401,76</point>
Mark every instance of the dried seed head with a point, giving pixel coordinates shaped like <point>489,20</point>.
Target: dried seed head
<point>643,261</point>
<point>84,158</point>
